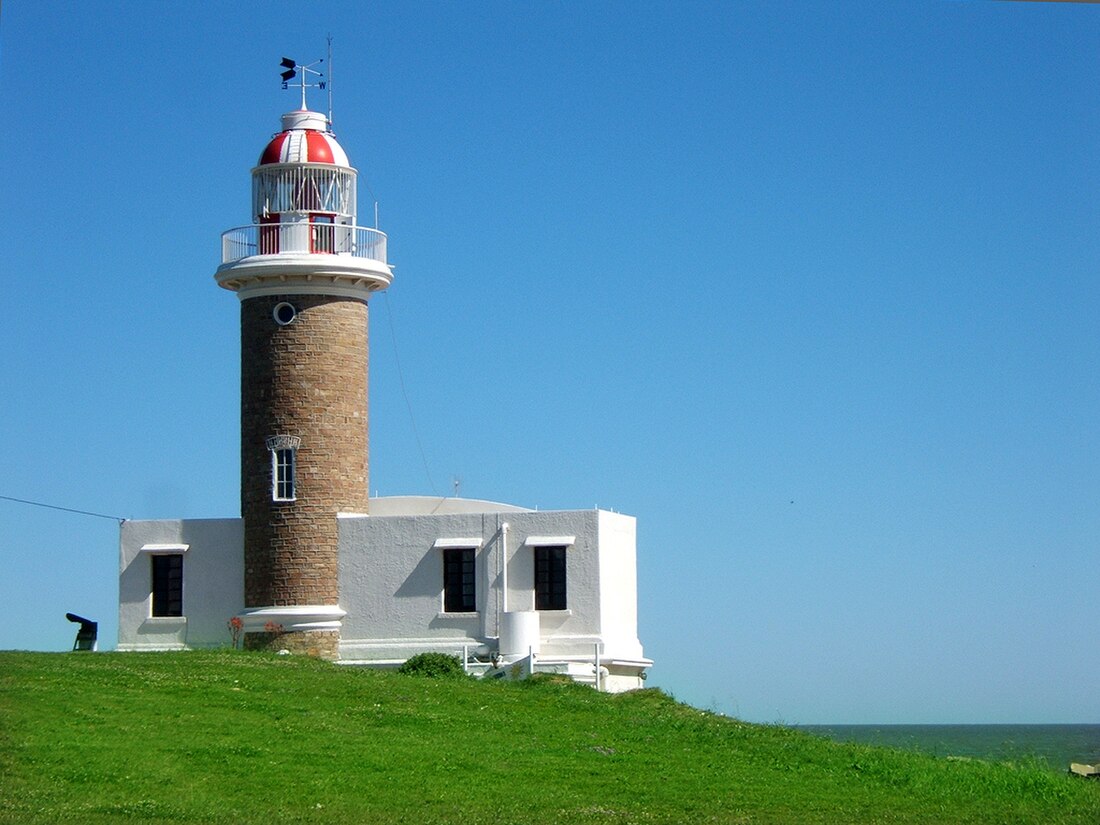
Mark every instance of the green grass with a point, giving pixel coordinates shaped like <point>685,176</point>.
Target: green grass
<point>231,737</point>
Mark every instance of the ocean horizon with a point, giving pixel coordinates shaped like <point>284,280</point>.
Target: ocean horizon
<point>1057,745</point>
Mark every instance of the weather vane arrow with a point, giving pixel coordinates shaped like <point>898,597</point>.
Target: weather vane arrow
<point>292,69</point>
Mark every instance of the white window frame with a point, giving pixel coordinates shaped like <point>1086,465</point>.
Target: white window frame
<point>167,550</point>
<point>442,545</point>
<point>282,474</point>
<point>567,543</point>
<point>284,467</point>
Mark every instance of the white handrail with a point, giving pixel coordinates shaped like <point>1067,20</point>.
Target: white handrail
<point>298,238</point>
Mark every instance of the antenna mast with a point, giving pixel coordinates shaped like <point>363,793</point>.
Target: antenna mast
<point>329,38</point>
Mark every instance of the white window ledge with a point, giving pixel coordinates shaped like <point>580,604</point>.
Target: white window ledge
<point>550,541</point>
<point>158,549</point>
<point>446,544</point>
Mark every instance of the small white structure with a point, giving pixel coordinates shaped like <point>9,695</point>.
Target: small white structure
<point>491,582</point>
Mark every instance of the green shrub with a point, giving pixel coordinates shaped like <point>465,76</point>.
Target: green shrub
<point>553,681</point>
<point>433,665</point>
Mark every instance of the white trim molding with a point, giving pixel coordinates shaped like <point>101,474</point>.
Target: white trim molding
<point>550,541</point>
<point>293,617</point>
<point>283,442</point>
<point>162,549</point>
<point>473,543</point>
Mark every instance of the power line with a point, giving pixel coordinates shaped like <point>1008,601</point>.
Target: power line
<point>408,404</point>
<point>119,519</point>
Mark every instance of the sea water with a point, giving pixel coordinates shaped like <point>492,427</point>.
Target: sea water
<point>1057,745</point>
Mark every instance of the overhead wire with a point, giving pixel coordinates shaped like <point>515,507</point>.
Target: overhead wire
<point>404,392</point>
<point>119,519</point>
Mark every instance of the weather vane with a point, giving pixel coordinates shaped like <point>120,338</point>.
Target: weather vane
<point>293,69</point>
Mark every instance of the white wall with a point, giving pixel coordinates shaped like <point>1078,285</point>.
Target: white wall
<point>619,585</point>
<point>391,583</point>
<point>576,629</point>
<point>213,583</point>
<point>391,578</point>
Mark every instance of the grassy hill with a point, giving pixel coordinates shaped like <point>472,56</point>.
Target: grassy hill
<point>230,737</point>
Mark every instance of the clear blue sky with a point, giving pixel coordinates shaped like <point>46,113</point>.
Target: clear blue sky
<point>809,288</point>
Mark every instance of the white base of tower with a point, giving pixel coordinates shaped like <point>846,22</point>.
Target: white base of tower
<point>293,618</point>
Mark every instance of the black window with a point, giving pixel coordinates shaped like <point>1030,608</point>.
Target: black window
<point>168,584</point>
<point>458,580</point>
<point>549,578</point>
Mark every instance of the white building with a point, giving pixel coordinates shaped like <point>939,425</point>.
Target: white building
<point>315,566</point>
<point>396,597</point>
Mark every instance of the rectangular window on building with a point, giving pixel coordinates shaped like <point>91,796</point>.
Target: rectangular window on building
<point>550,578</point>
<point>167,584</point>
<point>282,473</point>
<point>459,592</point>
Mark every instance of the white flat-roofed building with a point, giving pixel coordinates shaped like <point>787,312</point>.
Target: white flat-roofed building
<point>560,586</point>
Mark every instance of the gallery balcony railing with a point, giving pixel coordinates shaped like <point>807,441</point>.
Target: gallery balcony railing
<point>303,238</point>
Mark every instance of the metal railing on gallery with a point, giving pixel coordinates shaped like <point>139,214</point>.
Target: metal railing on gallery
<point>303,238</point>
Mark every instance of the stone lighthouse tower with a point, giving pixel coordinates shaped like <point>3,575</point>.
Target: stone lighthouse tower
<point>303,271</point>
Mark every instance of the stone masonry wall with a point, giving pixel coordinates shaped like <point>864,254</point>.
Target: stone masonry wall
<point>321,644</point>
<point>305,379</point>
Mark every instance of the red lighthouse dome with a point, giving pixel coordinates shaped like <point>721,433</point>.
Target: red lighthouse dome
<point>305,139</point>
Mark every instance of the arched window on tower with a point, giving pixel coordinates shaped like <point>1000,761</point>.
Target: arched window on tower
<point>284,459</point>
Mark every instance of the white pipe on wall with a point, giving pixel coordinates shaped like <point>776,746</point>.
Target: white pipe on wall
<point>504,565</point>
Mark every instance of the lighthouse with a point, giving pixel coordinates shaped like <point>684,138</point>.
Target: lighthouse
<point>313,566</point>
<point>303,271</point>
